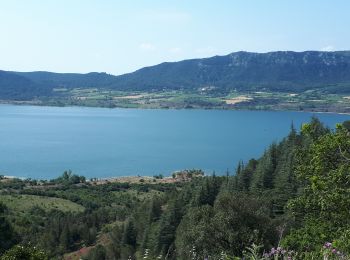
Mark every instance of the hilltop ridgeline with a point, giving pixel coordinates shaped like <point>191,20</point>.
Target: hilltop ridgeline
<point>284,71</point>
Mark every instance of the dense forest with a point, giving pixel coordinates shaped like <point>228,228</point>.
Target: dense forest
<point>291,203</point>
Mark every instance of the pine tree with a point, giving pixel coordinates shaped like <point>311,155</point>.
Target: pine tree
<point>64,240</point>
<point>7,234</point>
<point>130,235</point>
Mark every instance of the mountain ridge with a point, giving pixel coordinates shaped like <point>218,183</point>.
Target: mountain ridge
<point>245,71</point>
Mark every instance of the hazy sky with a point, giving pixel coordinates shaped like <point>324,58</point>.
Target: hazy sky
<point>121,36</point>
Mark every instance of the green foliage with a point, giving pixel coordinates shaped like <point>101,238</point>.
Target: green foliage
<point>159,176</point>
<point>97,253</point>
<point>342,243</point>
<point>215,217</point>
<point>27,202</point>
<point>244,175</point>
<point>69,178</point>
<point>253,252</point>
<point>130,234</point>
<point>314,129</point>
<point>323,207</point>
<point>168,224</point>
<point>24,252</point>
<point>7,234</point>
<point>12,184</point>
<point>346,124</point>
<point>235,221</point>
<point>196,230</point>
<point>206,192</point>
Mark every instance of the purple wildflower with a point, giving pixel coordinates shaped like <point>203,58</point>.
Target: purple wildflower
<point>328,244</point>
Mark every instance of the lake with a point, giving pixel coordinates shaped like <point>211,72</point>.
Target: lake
<point>42,142</point>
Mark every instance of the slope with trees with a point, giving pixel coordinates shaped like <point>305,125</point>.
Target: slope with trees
<point>291,203</point>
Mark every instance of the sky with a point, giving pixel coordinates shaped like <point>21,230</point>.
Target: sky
<point>120,36</point>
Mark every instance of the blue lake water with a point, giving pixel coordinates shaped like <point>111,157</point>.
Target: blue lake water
<point>42,142</point>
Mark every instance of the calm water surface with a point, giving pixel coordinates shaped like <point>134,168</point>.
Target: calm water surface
<point>42,142</point>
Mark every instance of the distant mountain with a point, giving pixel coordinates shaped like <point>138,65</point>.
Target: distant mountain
<point>245,71</point>
<point>69,80</point>
<point>282,71</point>
<point>30,85</point>
<point>17,87</point>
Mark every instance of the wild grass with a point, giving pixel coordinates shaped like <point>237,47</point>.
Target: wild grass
<point>23,203</point>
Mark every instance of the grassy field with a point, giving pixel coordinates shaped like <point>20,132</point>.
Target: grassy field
<point>312,100</point>
<point>23,203</point>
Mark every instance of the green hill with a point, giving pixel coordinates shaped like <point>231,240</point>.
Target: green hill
<point>278,71</point>
<point>23,203</point>
<point>282,71</point>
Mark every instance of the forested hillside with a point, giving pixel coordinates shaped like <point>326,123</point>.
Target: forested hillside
<point>273,71</point>
<point>69,80</point>
<point>283,71</point>
<point>16,87</point>
<point>291,203</point>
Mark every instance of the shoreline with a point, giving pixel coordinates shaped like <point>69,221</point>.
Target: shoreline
<point>15,103</point>
<point>133,180</point>
<point>179,176</point>
<point>8,175</point>
<point>176,175</point>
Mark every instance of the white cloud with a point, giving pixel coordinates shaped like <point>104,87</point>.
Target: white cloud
<point>328,48</point>
<point>146,46</point>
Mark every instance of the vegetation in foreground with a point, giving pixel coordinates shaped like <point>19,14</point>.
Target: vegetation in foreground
<point>292,203</point>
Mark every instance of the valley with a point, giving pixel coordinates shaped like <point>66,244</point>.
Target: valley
<point>310,100</point>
